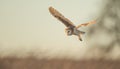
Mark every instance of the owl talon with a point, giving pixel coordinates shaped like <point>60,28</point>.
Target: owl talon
<point>80,39</point>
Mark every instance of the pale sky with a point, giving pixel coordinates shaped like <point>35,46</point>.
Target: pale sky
<point>28,22</point>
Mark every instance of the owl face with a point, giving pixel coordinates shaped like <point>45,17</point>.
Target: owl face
<point>69,31</point>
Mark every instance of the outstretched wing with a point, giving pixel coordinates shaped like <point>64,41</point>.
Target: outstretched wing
<point>86,24</point>
<point>60,17</point>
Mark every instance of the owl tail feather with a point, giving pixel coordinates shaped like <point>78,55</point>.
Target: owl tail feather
<point>81,32</point>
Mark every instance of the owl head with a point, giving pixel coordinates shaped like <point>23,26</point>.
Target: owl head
<point>69,31</point>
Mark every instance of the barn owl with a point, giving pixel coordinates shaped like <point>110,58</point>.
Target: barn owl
<point>71,28</point>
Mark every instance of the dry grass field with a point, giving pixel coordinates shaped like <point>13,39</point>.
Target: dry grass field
<point>32,63</point>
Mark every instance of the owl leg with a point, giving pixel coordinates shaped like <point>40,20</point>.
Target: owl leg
<point>79,37</point>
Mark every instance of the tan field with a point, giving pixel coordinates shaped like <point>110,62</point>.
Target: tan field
<point>32,63</point>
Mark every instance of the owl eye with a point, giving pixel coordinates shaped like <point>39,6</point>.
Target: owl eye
<point>69,32</point>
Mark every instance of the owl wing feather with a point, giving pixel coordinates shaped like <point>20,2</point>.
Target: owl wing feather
<point>86,24</point>
<point>60,17</point>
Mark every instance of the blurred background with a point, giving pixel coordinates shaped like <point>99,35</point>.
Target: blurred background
<point>26,26</point>
<point>31,38</point>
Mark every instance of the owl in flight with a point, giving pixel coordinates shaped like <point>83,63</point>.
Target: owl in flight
<point>71,28</point>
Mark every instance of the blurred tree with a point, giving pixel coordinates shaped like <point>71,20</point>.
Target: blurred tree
<point>106,32</point>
